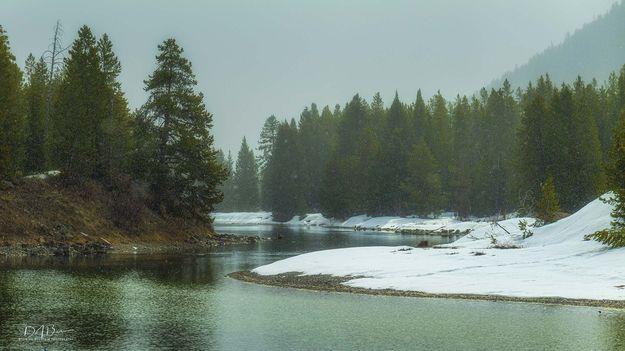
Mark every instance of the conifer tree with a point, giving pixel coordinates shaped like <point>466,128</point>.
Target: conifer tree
<point>227,187</point>
<point>350,157</point>
<point>423,182</point>
<point>116,126</point>
<point>35,92</point>
<point>283,174</point>
<point>548,205</point>
<point>615,236</point>
<point>266,141</point>
<point>11,112</point>
<point>81,109</point>
<point>461,168</point>
<point>182,169</point>
<point>439,136</point>
<point>391,166</point>
<point>246,180</point>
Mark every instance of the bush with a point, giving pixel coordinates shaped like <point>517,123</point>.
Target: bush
<point>613,237</point>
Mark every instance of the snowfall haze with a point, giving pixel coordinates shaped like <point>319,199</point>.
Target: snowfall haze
<point>253,59</point>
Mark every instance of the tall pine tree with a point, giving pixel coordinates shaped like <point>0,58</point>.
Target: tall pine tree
<point>245,180</point>
<point>35,92</point>
<point>183,171</point>
<point>81,110</point>
<point>11,113</point>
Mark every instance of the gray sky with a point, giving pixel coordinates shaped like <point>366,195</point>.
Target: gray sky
<point>257,58</point>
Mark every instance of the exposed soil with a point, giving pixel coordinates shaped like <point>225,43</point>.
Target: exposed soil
<point>42,217</point>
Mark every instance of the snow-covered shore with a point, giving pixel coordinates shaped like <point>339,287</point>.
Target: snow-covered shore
<point>555,262</point>
<point>362,222</point>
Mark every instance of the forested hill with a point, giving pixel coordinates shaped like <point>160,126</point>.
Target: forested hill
<point>593,51</point>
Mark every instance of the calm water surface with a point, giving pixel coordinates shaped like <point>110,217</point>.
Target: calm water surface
<point>185,302</point>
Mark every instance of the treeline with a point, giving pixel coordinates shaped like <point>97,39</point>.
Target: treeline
<point>483,155</point>
<point>72,115</point>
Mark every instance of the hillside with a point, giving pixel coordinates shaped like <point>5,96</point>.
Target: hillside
<point>41,217</point>
<point>593,51</point>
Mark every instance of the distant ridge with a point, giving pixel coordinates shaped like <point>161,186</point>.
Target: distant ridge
<point>593,51</point>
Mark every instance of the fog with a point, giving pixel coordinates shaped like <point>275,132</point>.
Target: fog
<point>253,59</point>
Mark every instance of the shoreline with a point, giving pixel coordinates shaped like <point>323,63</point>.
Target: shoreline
<point>329,283</point>
<point>103,247</point>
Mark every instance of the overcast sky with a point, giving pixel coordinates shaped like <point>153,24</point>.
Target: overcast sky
<point>257,58</point>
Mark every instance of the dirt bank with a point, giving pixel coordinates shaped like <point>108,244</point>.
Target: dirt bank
<point>41,217</point>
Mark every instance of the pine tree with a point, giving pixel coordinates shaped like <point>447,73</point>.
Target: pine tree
<point>615,236</point>
<point>266,141</point>
<point>439,136</point>
<point>391,165</point>
<point>115,128</point>
<point>283,174</point>
<point>227,187</point>
<point>246,180</point>
<point>81,110</point>
<point>461,169</point>
<point>548,206</point>
<point>351,156</point>
<point>35,93</point>
<point>183,174</point>
<point>532,155</point>
<point>11,113</point>
<point>423,183</point>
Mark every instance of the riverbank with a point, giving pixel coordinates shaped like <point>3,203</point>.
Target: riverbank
<point>446,224</point>
<point>39,216</point>
<point>329,283</point>
<point>551,263</point>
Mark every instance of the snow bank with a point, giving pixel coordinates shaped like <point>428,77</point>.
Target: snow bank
<point>242,218</point>
<point>555,262</point>
<point>398,224</point>
<point>44,175</point>
<point>260,218</point>
<point>446,223</point>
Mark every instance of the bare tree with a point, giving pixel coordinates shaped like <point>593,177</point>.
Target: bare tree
<point>54,57</point>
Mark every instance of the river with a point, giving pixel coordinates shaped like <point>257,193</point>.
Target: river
<point>185,302</point>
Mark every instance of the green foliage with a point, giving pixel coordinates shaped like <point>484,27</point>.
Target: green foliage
<point>116,128</point>
<point>283,187</point>
<point>481,156</point>
<point>245,180</point>
<point>548,205</point>
<point>35,91</point>
<point>615,236</point>
<point>81,109</point>
<point>227,187</point>
<point>181,164</point>
<point>558,136</point>
<point>12,121</point>
<point>423,183</point>
<point>266,141</point>
<point>346,179</point>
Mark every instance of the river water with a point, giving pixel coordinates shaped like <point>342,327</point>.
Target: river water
<point>185,302</point>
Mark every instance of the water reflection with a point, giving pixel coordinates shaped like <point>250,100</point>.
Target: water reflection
<point>175,301</point>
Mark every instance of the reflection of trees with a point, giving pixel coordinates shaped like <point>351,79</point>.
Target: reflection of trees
<point>90,305</point>
<point>186,270</point>
<point>7,309</point>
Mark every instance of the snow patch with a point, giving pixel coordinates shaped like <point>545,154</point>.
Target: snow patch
<point>44,175</point>
<point>555,262</point>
